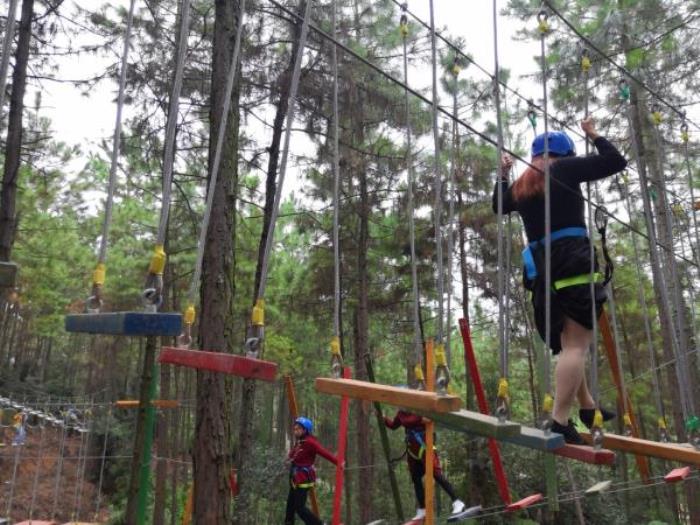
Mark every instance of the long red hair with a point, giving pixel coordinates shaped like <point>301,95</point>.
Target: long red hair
<point>531,182</point>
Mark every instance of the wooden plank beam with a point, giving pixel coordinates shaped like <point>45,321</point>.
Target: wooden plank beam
<point>158,403</point>
<point>671,451</point>
<point>413,400</point>
<point>474,423</point>
<point>8,274</point>
<point>524,503</point>
<point>125,323</point>
<point>429,479</point>
<point>231,364</point>
<point>586,454</point>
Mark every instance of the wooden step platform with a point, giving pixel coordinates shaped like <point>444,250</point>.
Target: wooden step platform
<point>231,364</point>
<point>414,400</point>
<point>158,403</point>
<point>536,439</point>
<point>125,323</point>
<point>586,454</point>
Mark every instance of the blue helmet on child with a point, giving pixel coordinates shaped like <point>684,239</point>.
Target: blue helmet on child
<point>305,423</point>
<point>559,144</point>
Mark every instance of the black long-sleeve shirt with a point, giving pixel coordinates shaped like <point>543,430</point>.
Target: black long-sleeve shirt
<point>567,202</point>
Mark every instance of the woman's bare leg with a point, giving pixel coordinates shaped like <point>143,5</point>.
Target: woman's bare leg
<point>570,370</point>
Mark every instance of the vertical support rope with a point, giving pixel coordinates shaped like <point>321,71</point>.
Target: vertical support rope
<point>451,210</point>
<point>685,138</point>
<point>336,179</point>
<point>171,123</point>
<point>437,210</point>
<point>94,302</point>
<point>502,403</point>
<point>417,338</point>
<point>216,161</point>
<point>544,29</point>
<point>296,74</point>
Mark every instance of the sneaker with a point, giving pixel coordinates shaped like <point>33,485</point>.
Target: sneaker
<point>587,414</point>
<point>420,514</point>
<point>571,435</point>
<point>458,506</point>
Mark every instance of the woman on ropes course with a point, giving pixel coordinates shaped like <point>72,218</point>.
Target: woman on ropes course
<point>571,323</point>
<point>414,426</point>
<point>302,474</point>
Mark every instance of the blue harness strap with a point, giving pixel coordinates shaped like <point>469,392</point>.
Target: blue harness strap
<point>529,259</point>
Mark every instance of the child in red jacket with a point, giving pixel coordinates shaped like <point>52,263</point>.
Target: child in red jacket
<point>302,474</point>
<point>414,426</point>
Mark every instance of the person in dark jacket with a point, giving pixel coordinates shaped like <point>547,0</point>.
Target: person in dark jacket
<point>414,426</point>
<point>302,474</point>
<point>571,301</point>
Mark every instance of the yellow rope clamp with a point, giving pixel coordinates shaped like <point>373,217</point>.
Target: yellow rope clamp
<point>503,389</point>
<point>98,274</point>
<point>548,403</point>
<point>418,372</point>
<point>258,317</point>
<point>403,26</point>
<point>685,137</point>
<point>598,419</point>
<point>157,260</point>
<point>335,345</point>
<point>627,420</point>
<point>543,21</point>
<point>585,63</point>
<point>656,117</point>
<point>190,315</point>
<point>662,423</point>
<point>456,69</point>
<point>440,359</point>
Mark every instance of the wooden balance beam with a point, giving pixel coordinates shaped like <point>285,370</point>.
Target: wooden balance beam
<point>231,364</point>
<point>474,423</point>
<point>415,400</point>
<point>125,323</point>
<point>670,451</point>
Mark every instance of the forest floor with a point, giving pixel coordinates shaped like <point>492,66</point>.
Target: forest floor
<point>44,487</point>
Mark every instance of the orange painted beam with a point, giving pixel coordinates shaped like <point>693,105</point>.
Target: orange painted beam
<point>414,400</point>
<point>646,447</point>
<point>609,345</point>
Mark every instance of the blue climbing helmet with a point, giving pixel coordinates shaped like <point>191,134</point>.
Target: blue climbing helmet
<point>305,423</point>
<point>559,144</point>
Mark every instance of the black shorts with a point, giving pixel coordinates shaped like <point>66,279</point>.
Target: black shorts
<point>570,257</point>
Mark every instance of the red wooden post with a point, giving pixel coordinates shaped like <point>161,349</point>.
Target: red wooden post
<point>342,444</point>
<point>501,480</point>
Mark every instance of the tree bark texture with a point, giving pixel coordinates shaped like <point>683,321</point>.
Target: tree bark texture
<point>210,451</point>
<point>13,147</point>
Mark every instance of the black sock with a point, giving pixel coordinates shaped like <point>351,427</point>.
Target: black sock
<point>587,415</point>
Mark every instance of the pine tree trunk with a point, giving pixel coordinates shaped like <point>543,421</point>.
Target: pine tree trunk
<point>212,428</point>
<point>13,147</point>
<point>244,453</point>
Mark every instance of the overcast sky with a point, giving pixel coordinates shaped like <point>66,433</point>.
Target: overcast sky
<point>87,121</point>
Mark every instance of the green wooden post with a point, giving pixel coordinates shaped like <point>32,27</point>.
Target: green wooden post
<point>145,477</point>
<point>385,445</point>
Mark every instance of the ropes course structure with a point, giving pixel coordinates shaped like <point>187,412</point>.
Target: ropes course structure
<point>432,398</point>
